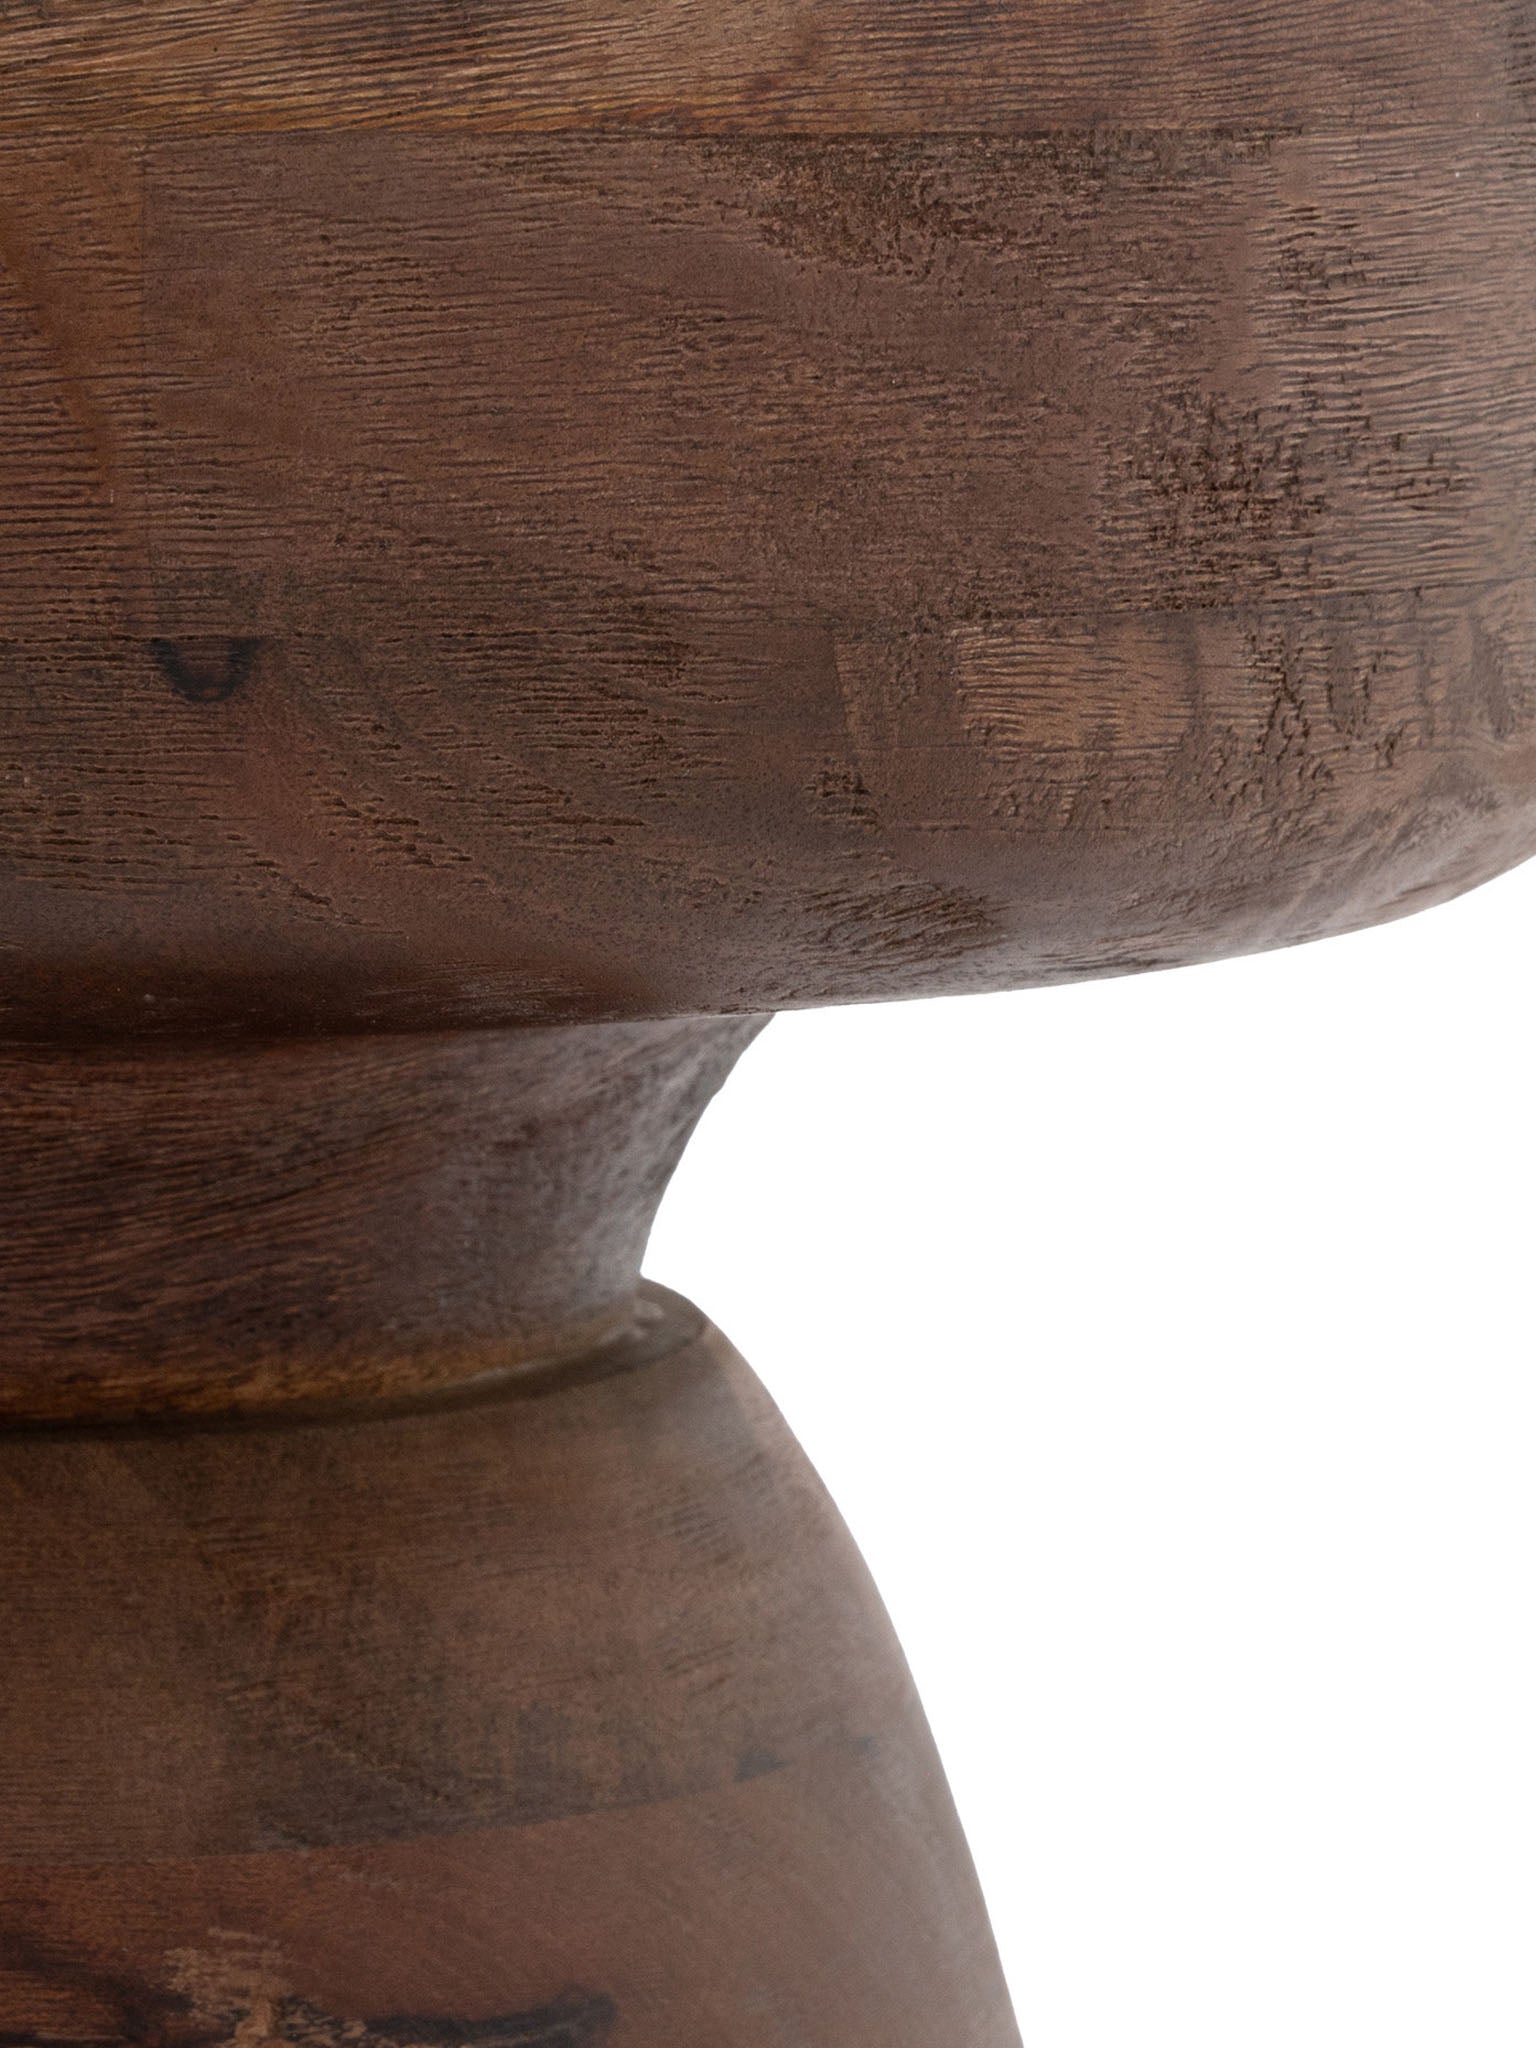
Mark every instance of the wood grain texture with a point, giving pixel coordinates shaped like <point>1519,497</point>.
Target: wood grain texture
<point>529,536</point>
<point>456,580</point>
<point>834,67</point>
<point>232,1229</point>
<point>559,1718</point>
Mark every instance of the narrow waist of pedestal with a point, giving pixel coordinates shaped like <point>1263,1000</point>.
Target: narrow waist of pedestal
<point>203,1229</point>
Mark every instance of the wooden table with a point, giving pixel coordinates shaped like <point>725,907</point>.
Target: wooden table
<point>534,534</point>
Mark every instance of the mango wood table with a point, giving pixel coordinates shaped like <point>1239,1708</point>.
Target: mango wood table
<point>534,533</point>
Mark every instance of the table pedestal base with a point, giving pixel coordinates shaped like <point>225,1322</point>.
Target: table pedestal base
<point>544,1706</point>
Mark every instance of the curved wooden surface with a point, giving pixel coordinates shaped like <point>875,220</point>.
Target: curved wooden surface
<point>620,519</point>
<point>235,1228</point>
<point>417,1630</point>
<point>524,514</point>
<point>564,1717</point>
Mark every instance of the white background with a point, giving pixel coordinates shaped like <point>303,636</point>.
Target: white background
<point>1168,1345</point>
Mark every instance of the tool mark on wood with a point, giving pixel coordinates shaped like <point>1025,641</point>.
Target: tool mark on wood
<point>578,2019</point>
<point>204,675</point>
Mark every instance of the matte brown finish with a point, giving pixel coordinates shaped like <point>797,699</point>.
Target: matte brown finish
<point>416,1630</point>
<point>460,579</point>
<point>533,533</point>
<point>232,1228</point>
<point>763,65</point>
<point>567,1715</point>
